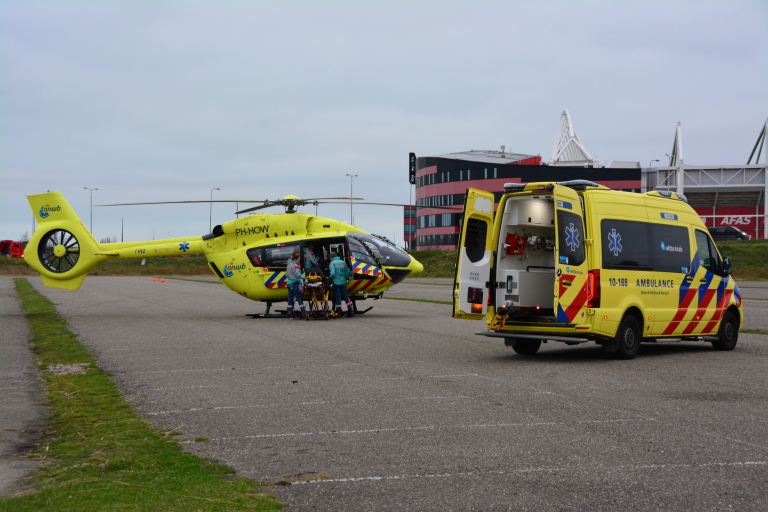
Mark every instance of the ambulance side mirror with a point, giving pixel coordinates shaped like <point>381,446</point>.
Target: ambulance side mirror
<point>727,266</point>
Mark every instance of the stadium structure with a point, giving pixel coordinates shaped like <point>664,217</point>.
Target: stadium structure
<point>733,195</point>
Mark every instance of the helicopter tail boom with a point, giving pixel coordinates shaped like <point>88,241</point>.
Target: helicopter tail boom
<point>63,250</point>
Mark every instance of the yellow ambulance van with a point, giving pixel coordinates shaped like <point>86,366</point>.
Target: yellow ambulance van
<point>577,262</point>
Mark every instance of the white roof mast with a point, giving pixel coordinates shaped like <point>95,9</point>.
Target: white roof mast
<point>759,147</point>
<point>568,148</point>
<point>676,159</point>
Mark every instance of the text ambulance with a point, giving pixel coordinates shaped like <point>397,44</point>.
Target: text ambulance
<point>578,262</point>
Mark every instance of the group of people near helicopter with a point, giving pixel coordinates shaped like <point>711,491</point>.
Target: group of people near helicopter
<point>339,274</point>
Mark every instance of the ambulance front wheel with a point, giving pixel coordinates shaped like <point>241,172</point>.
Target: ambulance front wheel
<point>628,338</point>
<point>526,347</point>
<point>729,332</point>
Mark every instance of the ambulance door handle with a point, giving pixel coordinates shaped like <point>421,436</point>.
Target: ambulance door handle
<point>702,280</point>
<point>689,279</point>
<point>567,283</point>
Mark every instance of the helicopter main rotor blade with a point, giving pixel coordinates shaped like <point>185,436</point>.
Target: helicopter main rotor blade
<point>271,202</point>
<point>257,208</point>
<point>344,198</point>
<point>298,202</point>
<point>455,207</point>
<point>185,202</point>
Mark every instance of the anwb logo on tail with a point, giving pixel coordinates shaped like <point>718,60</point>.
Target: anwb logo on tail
<point>46,209</point>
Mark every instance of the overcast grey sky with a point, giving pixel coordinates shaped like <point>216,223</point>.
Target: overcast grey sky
<point>154,101</point>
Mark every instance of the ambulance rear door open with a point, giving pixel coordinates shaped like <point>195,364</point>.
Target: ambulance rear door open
<point>473,269</point>
<point>571,268</point>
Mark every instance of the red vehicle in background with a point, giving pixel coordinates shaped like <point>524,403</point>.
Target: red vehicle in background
<point>12,248</point>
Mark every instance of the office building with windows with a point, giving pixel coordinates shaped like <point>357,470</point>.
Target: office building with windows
<point>735,195</point>
<point>441,182</point>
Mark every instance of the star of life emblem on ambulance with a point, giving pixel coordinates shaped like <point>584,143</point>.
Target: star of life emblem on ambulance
<point>572,237</point>
<point>614,244</point>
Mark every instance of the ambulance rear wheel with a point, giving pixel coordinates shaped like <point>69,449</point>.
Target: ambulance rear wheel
<point>526,347</point>
<point>628,338</point>
<point>728,334</point>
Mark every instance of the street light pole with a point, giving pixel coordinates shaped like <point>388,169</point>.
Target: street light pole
<point>210,210</point>
<point>91,189</point>
<point>351,177</point>
<point>651,162</point>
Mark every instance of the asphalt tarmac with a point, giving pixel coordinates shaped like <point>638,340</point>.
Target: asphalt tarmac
<point>404,408</point>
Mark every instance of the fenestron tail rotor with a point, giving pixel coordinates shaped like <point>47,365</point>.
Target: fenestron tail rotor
<point>59,251</point>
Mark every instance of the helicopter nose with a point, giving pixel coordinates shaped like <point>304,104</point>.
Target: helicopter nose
<point>415,267</point>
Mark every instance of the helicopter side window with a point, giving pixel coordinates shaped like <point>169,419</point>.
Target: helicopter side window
<point>255,256</point>
<point>278,255</point>
<point>338,249</point>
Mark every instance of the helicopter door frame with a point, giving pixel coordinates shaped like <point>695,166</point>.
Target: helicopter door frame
<point>373,262</point>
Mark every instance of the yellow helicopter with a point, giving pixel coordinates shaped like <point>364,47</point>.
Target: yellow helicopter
<point>248,254</point>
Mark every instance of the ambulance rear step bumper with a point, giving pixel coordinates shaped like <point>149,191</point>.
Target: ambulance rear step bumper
<point>566,339</point>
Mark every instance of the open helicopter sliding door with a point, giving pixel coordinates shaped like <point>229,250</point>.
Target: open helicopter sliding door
<point>473,268</point>
<point>366,271</point>
<point>571,270</point>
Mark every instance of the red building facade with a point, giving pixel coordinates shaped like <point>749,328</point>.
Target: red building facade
<point>750,219</point>
<point>442,181</point>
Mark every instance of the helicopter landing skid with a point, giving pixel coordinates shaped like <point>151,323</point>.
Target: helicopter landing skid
<point>361,311</point>
<point>355,298</point>
<point>281,313</point>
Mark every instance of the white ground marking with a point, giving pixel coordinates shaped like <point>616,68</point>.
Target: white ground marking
<point>407,429</point>
<point>640,418</point>
<point>256,368</point>
<point>325,402</point>
<point>261,384</point>
<point>747,464</point>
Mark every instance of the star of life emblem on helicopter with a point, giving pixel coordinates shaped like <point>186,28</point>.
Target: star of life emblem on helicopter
<point>614,244</point>
<point>572,237</point>
<point>184,246</point>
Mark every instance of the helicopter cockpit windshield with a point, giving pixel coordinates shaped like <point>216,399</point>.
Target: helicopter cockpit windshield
<point>386,253</point>
<point>358,251</point>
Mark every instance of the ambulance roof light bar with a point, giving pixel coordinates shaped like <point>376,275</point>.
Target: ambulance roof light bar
<point>667,194</point>
<point>578,184</point>
<point>574,184</point>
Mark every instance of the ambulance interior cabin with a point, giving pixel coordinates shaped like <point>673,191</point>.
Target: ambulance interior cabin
<point>525,265</point>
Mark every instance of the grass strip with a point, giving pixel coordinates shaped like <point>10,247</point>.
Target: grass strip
<point>419,300</point>
<point>752,298</point>
<point>750,331</point>
<point>98,454</point>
